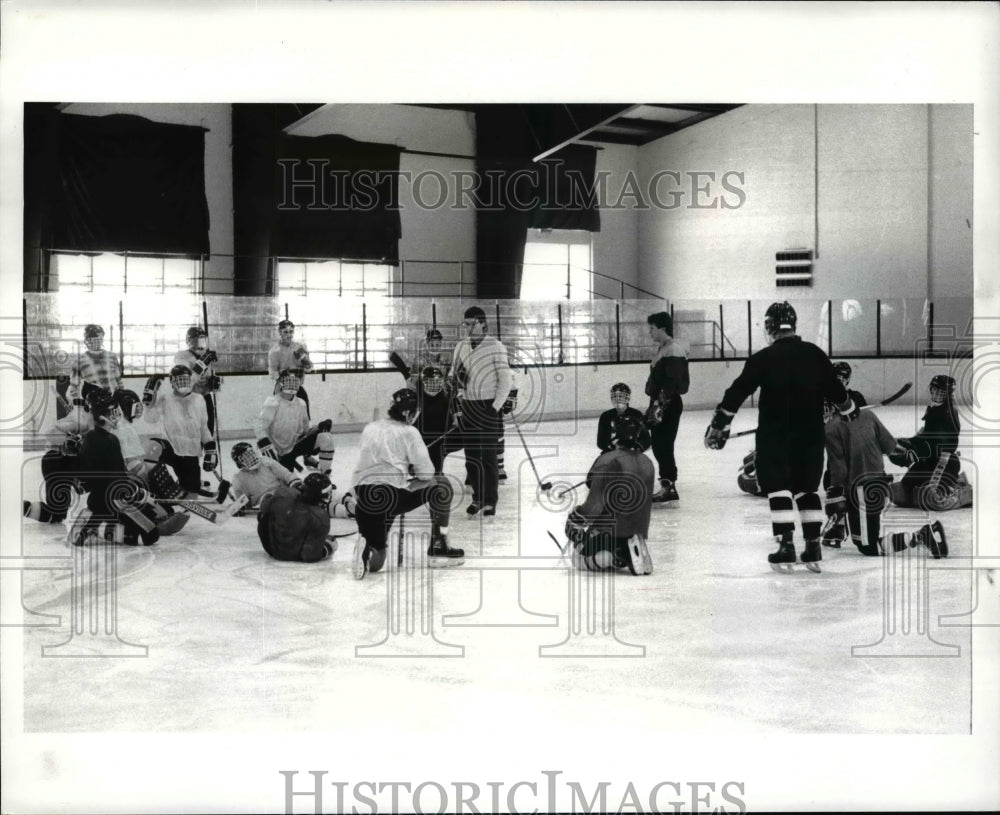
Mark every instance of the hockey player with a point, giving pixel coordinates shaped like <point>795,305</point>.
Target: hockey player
<point>289,355</point>
<point>434,418</point>
<point>200,360</point>
<point>507,409</point>
<point>857,479</point>
<point>668,380</point>
<point>284,432</point>
<point>185,427</point>
<point>933,480</point>
<point>620,396</point>
<point>293,524</point>
<point>482,370</point>
<point>115,496</point>
<point>609,530</point>
<point>844,372</point>
<point>95,365</point>
<point>794,378</point>
<point>395,475</point>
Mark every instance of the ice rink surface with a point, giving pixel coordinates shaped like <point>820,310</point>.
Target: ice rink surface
<point>203,632</point>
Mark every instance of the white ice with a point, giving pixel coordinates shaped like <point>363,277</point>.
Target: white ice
<point>226,639</point>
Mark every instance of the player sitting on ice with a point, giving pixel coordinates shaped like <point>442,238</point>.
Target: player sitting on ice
<point>185,427</point>
<point>260,476</point>
<point>609,529</point>
<point>395,475</point>
<point>293,524</point>
<point>284,432</point>
<point>620,396</point>
<point>934,479</point>
<point>859,486</point>
<point>59,462</point>
<point>118,508</point>
<point>200,359</point>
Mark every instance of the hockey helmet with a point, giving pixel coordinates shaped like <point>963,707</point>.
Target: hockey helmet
<point>180,379</point>
<point>245,456</point>
<point>843,372</point>
<point>93,337</point>
<point>941,388</point>
<point>197,338</point>
<point>404,406</point>
<point>432,379</point>
<point>104,407</point>
<point>129,402</point>
<point>620,395</point>
<point>779,317</point>
<point>317,489</point>
<point>625,430</point>
<point>290,380</point>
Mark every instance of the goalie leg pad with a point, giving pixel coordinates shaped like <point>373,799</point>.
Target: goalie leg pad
<point>173,523</point>
<point>162,483</point>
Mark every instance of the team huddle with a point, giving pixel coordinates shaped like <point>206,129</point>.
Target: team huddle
<point>140,487</point>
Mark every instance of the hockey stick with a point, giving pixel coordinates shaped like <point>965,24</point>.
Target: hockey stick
<point>548,484</point>
<point>203,508</point>
<point>217,471</point>
<point>556,542</point>
<point>568,490</point>
<point>399,549</point>
<point>887,401</point>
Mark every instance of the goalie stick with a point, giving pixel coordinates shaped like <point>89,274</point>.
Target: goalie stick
<point>217,471</point>
<point>212,513</point>
<point>887,401</point>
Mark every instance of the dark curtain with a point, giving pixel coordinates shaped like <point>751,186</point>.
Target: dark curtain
<point>126,183</point>
<point>566,195</point>
<point>41,132</point>
<point>337,198</point>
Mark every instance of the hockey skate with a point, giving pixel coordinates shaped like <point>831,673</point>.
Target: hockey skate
<point>502,475</point>
<point>932,536</point>
<point>362,552</point>
<point>489,514</point>
<point>441,555</point>
<point>667,492</point>
<point>784,559</point>
<point>472,511</point>
<point>834,533</point>
<point>812,555</point>
<point>637,559</point>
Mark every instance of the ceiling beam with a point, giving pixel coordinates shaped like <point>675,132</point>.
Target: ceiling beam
<point>575,137</point>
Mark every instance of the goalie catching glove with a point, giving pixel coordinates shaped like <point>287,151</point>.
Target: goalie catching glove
<point>206,359</point>
<point>152,386</point>
<point>717,433</point>
<point>903,455</point>
<point>266,448</point>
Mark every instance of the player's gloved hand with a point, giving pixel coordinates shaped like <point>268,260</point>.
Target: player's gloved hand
<point>654,414</point>
<point>836,502</point>
<point>149,391</point>
<point>213,383</point>
<point>209,357</point>
<point>71,446</point>
<point>717,433</point>
<point>576,527</point>
<point>266,448</point>
<point>903,456</point>
<point>296,483</point>
<point>510,405</point>
<point>211,460</point>
<point>325,426</point>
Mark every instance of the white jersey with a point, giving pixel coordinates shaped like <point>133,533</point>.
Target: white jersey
<point>255,484</point>
<point>283,421</point>
<point>132,447</point>
<point>185,420</point>
<point>281,357</point>
<point>188,358</point>
<point>388,449</point>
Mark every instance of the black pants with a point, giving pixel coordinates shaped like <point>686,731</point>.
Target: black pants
<point>185,467</point>
<point>664,435</point>
<point>482,426</point>
<point>378,505</point>
<point>57,474</point>
<point>786,461</point>
<point>305,446</point>
<point>868,498</point>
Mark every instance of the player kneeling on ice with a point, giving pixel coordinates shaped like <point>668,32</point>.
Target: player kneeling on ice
<point>934,479</point>
<point>794,377</point>
<point>860,487</point>
<point>620,396</point>
<point>394,475</point>
<point>284,432</point>
<point>294,522</point>
<point>609,529</point>
<point>118,510</point>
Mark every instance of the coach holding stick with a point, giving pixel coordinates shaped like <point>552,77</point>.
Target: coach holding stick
<point>481,369</point>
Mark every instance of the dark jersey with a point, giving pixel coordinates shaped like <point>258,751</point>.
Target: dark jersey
<point>434,416</point>
<point>291,529</point>
<point>858,398</point>
<point>939,433</point>
<point>621,488</point>
<point>100,468</point>
<point>605,428</point>
<point>794,377</point>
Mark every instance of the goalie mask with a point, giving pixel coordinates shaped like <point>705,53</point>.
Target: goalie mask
<point>432,379</point>
<point>317,489</point>
<point>180,380</point>
<point>941,389</point>
<point>93,337</point>
<point>197,339</point>
<point>620,395</point>
<point>404,406</point>
<point>245,456</point>
<point>779,317</point>
<point>289,382</point>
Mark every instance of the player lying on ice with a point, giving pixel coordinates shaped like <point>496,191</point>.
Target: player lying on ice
<point>609,529</point>
<point>294,520</point>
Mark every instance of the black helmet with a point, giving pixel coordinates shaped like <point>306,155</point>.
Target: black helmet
<point>245,456</point>
<point>843,371</point>
<point>779,317</point>
<point>433,334</point>
<point>126,400</point>
<point>941,388</point>
<point>102,403</point>
<point>404,401</point>
<point>316,489</point>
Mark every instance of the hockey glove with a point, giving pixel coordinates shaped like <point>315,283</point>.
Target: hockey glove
<point>266,448</point>
<point>211,460</point>
<point>836,503</point>
<point>71,446</point>
<point>903,456</point>
<point>576,528</point>
<point>213,383</point>
<point>301,357</point>
<point>654,414</point>
<point>73,393</point>
<point>717,433</point>
<point>325,426</point>
<point>152,386</point>
<point>510,405</point>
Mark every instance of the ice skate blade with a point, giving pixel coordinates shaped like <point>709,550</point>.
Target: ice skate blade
<point>444,562</point>
<point>813,566</point>
<point>789,568</point>
<point>832,544</point>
